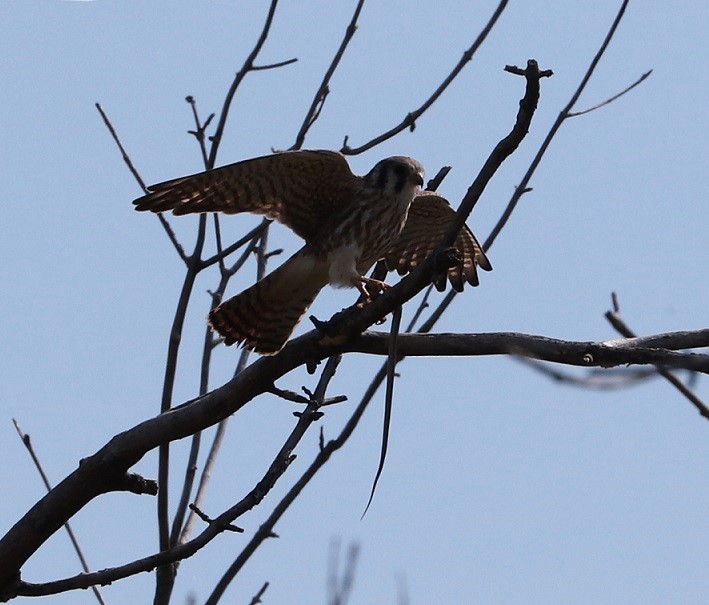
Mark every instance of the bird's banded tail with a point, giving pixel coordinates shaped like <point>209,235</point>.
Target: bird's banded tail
<point>265,315</point>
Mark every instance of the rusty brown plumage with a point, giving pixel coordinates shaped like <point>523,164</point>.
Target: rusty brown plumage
<point>429,218</point>
<point>299,189</point>
<point>348,222</point>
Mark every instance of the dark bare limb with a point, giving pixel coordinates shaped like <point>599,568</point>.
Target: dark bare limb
<point>605,354</point>
<point>106,470</point>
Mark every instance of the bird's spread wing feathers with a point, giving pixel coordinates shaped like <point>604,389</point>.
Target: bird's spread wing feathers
<point>296,188</point>
<point>429,217</point>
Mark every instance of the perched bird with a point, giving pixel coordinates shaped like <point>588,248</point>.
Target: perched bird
<point>348,223</point>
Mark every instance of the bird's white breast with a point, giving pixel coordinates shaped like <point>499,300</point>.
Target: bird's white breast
<point>343,265</point>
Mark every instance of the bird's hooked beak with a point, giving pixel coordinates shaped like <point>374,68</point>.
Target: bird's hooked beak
<point>417,179</point>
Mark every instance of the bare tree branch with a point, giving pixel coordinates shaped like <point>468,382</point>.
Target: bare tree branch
<point>410,120</point>
<point>606,354</point>
<point>522,188</point>
<point>27,442</point>
<point>200,129</point>
<point>274,65</point>
<point>86,483</point>
<point>126,158</point>
<point>617,322</point>
<point>573,114</point>
<point>104,471</point>
<point>340,583</point>
<point>595,379</point>
<point>324,88</point>
<point>165,576</point>
<point>240,75</point>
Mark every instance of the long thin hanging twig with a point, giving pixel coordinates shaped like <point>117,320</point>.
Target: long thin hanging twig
<point>388,399</point>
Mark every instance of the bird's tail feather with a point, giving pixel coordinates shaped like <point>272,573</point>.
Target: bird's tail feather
<point>263,316</point>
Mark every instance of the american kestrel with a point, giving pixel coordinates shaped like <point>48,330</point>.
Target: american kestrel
<point>348,223</point>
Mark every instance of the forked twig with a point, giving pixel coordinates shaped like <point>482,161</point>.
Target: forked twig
<point>523,186</point>
<point>240,75</point>
<point>323,90</point>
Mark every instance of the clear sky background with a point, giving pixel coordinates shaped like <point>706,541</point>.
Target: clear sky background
<point>500,485</point>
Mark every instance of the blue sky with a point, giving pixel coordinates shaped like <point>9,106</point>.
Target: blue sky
<point>500,486</point>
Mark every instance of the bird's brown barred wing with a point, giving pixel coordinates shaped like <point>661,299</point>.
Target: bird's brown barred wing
<point>428,220</point>
<point>296,188</point>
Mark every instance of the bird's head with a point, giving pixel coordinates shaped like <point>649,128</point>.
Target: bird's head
<point>396,176</point>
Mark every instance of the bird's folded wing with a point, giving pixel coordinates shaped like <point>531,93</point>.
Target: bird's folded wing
<point>296,188</point>
<point>429,218</point>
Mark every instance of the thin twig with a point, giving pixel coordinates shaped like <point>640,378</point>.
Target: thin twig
<point>573,114</point>
<point>319,99</point>
<point>274,65</point>
<point>124,153</point>
<point>199,133</point>
<point>410,120</point>
<point>165,575</point>
<point>423,305</point>
<point>523,186</point>
<point>596,379</point>
<point>252,235</point>
<point>622,328</point>
<point>257,597</point>
<point>434,183</point>
<point>240,75</point>
<point>340,587</point>
<point>126,158</point>
<point>27,442</point>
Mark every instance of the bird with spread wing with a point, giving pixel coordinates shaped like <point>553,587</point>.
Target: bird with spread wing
<point>348,223</point>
